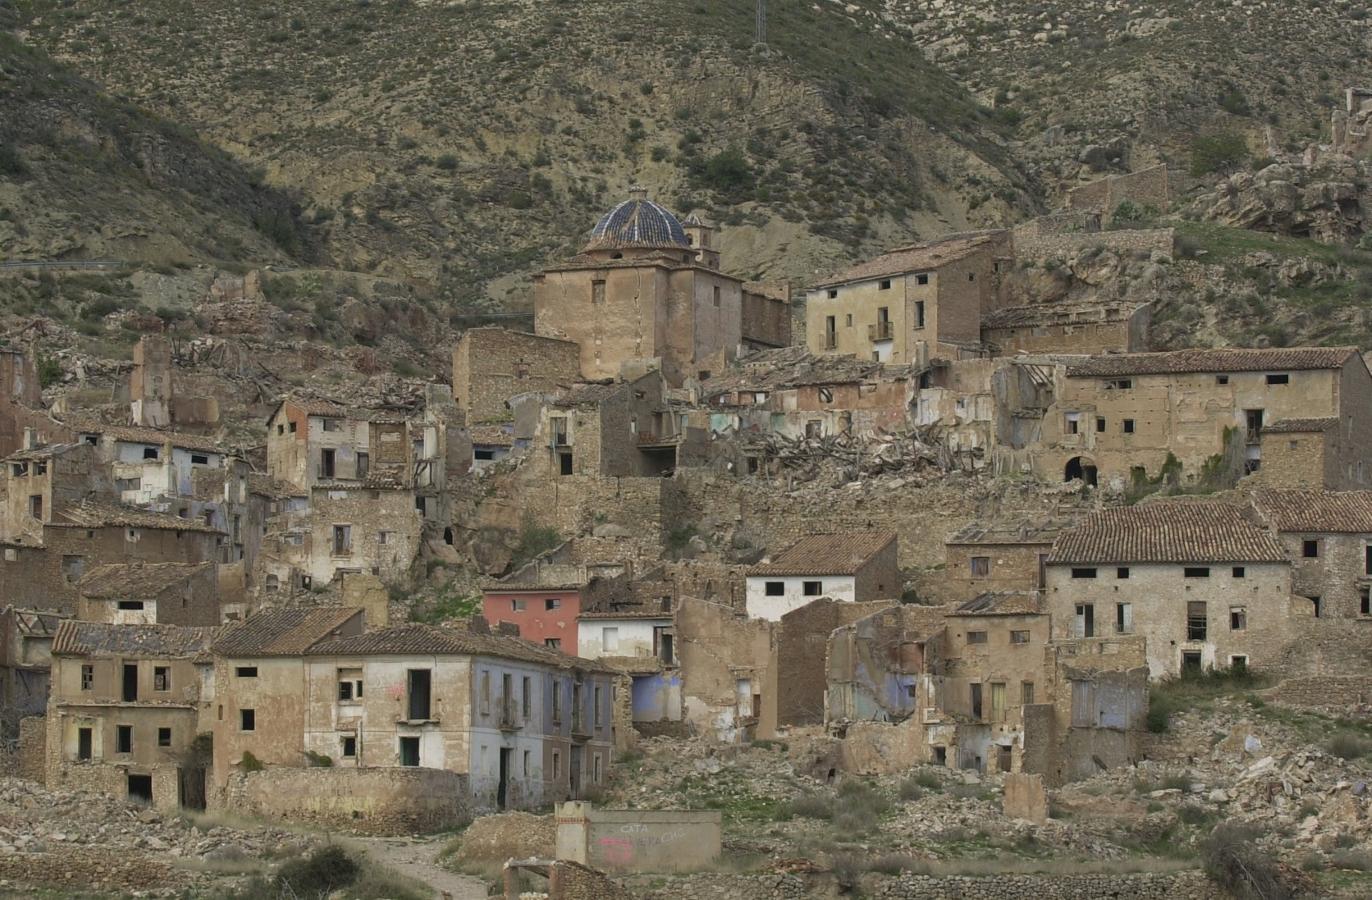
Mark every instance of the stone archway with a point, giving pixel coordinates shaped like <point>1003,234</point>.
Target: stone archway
<point>1080,467</point>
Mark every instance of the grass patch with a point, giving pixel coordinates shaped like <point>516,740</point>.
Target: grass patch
<point>1350,745</point>
<point>1195,690</point>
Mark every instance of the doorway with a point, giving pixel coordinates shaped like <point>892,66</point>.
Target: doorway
<point>1079,467</point>
<point>83,743</point>
<point>409,751</point>
<point>419,684</point>
<point>1190,662</point>
<point>1003,758</point>
<point>140,788</point>
<point>191,788</point>
<point>502,791</point>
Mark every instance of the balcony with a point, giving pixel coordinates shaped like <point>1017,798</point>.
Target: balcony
<point>881,331</point>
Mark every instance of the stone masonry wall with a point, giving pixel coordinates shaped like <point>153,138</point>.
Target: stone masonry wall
<point>372,800</point>
<point>1139,886</point>
<point>1148,187</point>
<point>1324,692</point>
<point>33,748</point>
<point>1031,244</point>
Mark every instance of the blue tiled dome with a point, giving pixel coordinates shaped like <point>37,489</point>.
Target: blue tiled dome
<point>638,222</point>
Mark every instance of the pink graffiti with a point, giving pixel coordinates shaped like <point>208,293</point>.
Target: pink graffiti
<point>616,851</point>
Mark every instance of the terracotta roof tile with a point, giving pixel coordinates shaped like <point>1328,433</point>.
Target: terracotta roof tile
<point>1301,426</point>
<point>275,488</point>
<point>1002,603</point>
<point>1018,532</point>
<point>414,638</point>
<point>1335,512</point>
<point>283,632</point>
<point>492,435</point>
<point>1167,532</point>
<point>139,579</point>
<point>914,258</point>
<point>1184,362</point>
<point>101,639</point>
<point>827,554</point>
<point>94,514</point>
<point>135,435</point>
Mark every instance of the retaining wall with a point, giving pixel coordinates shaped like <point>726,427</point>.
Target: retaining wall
<point>376,800</point>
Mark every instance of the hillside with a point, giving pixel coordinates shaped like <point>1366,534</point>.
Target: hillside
<point>458,146</point>
<point>85,175</point>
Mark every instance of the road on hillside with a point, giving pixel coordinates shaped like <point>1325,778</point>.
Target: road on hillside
<point>415,858</point>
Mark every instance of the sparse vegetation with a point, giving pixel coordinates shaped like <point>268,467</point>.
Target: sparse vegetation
<point>1233,860</point>
<point>1220,152</point>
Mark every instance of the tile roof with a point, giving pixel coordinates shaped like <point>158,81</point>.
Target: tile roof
<point>1002,603</point>
<point>787,367</point>
<point>101,639</point>
<point>1336,512</point>
<point>94,514</point>
<point>416,639</point>
<point>492,435</point>
<point>638,222</point>
<point>1167,532</point>
<point>636,613</point>
<point>1183,362</point>
<point>283,632</point>
<point>136,435</point>
<point>265,485</point>
<point>1024,531</point>
<point>827,554</point>
<point>1300,426</point>
<point>375,481</point>
<point>138,579</point>
<point>47,451</point>
<point>914,258</point>
<point>328,409</point>
<point>587,392</point>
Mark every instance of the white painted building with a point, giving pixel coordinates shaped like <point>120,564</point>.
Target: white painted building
<point>859,566</point>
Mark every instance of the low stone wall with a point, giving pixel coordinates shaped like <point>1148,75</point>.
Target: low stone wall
<point>398,800</point>
<point>638,840</point>
<point>1141,886</point>
<point>1035,245</point>
<point>733,887</point>
<point>1323,691</point>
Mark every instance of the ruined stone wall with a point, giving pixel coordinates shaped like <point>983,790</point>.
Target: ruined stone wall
<point>1325,648</point>
<point>1012,567</point>
<point>573,504</point>
<point>1148,187</point>
<point>1033,244</point>
<point>392,800</point>
<point>719,649</point>
<point>766,320</point>
<point>33,749</point>
<point>800,649</point>
<point>1290,460</point>
<point>1324,691</point>
<point>569,881</point>
<point>1137,886</point>
<point>491,365</point>
<point>1118,335</point>
<point>1336,576</point>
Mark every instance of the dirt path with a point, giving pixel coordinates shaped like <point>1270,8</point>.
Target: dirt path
<point>414,858</point>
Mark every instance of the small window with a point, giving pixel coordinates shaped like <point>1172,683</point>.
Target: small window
<point>1196,621</point>
<point>87,677</point>
<point>919,313</point>
<point>1100,423</point>
<point>1026,692</point>
<point>1019,637</point>
<point>130,605</point>
<point>1310,548</point>
<point>976,637</point>
<point>971,276</point>
<point>123,739</point>
<point>151,453</point>
<point>775,588</point>
<point>164,737</point>
<point>552,603</point>
<point>1196,572</point>
<point>1083,573</point>
<point>885,285</point>
<point>1128,426</point>
<point>245,671</point>
<point>1120,384</point>
<point>833,292</point>
<point>1318,605</point>
<point>247,720</point>
<point>1238,664</point>
<point>1122,572</point>
<point>1238,618</point>
<point>161,678</point>
<point>1365,602</point>
<point>332,425</point>
<point>1240,571</point>
<point>981,566</point>
<point>349,750</point>
<point>922,278</point>
<point>199,459</point>
<point>1221,379</point>
<point>553,643</point>
<point>812,588</point>
<point>281,429</point>
<point>291,428</point>
<point>848,320</point>
<point>1279,378</point>
<point>519,605</point>
<point>716,297</point>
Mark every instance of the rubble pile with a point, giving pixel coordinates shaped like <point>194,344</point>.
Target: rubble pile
<point>849,457</point>
<point>90,840</point>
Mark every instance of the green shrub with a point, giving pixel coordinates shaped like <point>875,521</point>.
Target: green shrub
<point>324,871</point>
<point>11,163</point>
<point>1231,859</point>
<point>727,171</point>
<point>49,370</point>
<point>250,763</point>
<point>811,806</point>
<point>909,789</point>
<point>1349,745</point>
<point>446,162</point>
<point>318,760</point>
<point>1357,860</point>
<point>1221,152</point>
<point>927,779</point>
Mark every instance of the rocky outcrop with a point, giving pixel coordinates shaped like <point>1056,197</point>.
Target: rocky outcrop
<point>1329,202</point>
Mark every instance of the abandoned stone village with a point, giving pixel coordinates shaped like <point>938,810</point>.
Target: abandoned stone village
<point>702,555</point>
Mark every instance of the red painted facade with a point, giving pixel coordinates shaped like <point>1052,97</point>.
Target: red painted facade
<point>538,619</point>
